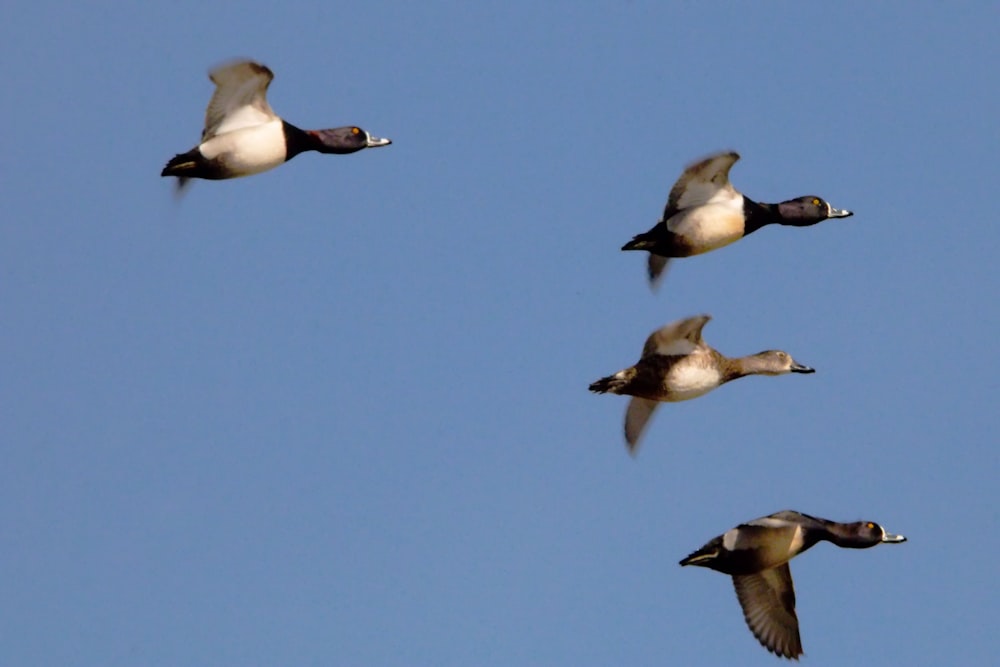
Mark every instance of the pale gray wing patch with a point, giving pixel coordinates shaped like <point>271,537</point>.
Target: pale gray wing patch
<point>782,519</point>
<point>638,414</point>
<point>768,602</point>
<point>789,517</point>
<point>240,98</point>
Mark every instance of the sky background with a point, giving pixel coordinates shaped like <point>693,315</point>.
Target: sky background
<point>337,413</point>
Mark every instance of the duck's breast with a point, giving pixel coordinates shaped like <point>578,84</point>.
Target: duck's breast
<point>691,377</point>
<point>708,227</point>
<point>249,150</point>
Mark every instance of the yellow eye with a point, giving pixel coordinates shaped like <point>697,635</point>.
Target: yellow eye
<point>871,525</point>
<point>355,130</point>
<point>815,202</point>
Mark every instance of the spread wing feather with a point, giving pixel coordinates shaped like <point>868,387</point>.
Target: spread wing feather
<point>768,602</point>
<point>240,98</point>
<point>677,338</point>
<point>701,183</point>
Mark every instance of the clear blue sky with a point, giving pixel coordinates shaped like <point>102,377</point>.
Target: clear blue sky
<point>337,414</point>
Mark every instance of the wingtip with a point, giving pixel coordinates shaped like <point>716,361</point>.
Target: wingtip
<point>632,447</point>
<point>181,187</point>
<point>255,66</point>
<point>656,269</point>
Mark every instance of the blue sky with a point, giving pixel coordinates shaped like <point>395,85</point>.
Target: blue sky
<point>337,414</point>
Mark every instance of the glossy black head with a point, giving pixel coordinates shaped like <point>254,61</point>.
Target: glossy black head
<point>805,211</point>
<point>343,140</point>
<point>864,534</point>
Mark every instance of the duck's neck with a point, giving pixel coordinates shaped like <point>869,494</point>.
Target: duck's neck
<point>843,535</point>
<point>739,367</point>
<point>297,141</point>
<point>757,215</point>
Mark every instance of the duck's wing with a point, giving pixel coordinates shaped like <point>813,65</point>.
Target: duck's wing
<point>240,98</point>
<point>638,414</point>
<point>782,519</point>
<point>768,602</point>
<point>701,183</point>
<point>656,265</point>
<point>678,338</point>
<point>791,518</point>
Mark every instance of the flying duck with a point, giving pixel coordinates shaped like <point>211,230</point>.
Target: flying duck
<point>244,136</point>
<point>756,555</point>
<point>678,365</point>
<point>705,212</point>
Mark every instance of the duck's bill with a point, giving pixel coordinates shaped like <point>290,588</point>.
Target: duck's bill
<point>838,212</point>
<point>375,142</point>
<point>801,368</point>
<point>892,539</point>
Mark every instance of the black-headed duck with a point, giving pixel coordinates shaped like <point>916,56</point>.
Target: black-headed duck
<point>705,212</point>
<point>756,555</point>
<point>678,365</point>
<point>243,136</point>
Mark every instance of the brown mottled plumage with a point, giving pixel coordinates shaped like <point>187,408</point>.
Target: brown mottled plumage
<point>678,365</point>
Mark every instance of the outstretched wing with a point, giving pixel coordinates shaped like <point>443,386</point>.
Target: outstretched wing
<point>638,414</point>
<point>701,183</point>
<point>677,338</point>
<point>768,601</point>
<point>240,98</point>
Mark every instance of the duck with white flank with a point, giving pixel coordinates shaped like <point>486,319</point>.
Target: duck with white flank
<point>756,555</point>
<point>705,212</point>
<point>677,365</point>
<point>243,136</point>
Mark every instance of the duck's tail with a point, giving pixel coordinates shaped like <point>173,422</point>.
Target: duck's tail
<point>612,383</point>
<point>657,263</point>
<point>642,241</point>
<point>183,166</point>
<point>706,555</point>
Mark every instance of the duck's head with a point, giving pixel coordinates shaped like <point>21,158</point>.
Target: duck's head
<point>809,210</point>
<point>343,140</point>
<point>864,534</point>
<point>776,362</point>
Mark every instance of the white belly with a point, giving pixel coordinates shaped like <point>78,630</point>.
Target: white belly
<point>687,381</point>
<point>708,227</point>
<point>248,150</point>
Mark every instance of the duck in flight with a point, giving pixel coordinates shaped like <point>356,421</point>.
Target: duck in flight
<point>756,555</point>
<point>705,212</point>
<point>678,365</point>
<point>244,136</point>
